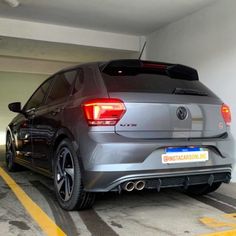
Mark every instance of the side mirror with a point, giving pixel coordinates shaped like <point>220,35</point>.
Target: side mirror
<point>15,107</point>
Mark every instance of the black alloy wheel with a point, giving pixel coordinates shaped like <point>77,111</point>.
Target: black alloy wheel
<point>65,174</point>
<point>10,155</point>
<point>68,181</point>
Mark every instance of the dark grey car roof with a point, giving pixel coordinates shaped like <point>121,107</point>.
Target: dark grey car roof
<point>171,69</point>
<point>79,66</point>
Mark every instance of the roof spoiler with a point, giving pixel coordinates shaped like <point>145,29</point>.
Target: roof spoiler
<point>133,67</point>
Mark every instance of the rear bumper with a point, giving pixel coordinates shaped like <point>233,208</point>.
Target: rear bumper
<point>157,181</point>
<point>109,160</point>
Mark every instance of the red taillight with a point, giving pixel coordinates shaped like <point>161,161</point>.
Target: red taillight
<point>103,111</point>
<point>225,111</point>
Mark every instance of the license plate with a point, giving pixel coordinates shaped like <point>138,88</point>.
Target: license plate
<point>184,155</point>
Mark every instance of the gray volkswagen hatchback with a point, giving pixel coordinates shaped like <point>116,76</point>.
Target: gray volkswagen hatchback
<point>123,125</point>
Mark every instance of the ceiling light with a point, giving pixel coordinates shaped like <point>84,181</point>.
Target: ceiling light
<point>12,3</point>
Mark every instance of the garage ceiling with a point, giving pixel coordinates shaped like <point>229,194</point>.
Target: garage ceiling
<point>137,17</point>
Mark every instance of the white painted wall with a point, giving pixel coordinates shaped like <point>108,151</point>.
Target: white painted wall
<point>205,40</point>
<point>15,87</point>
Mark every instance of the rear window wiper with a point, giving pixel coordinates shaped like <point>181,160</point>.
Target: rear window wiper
<point>182,91</point>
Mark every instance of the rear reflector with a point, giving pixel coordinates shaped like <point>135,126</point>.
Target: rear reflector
<point>225,111</point>
<point>103,111</point>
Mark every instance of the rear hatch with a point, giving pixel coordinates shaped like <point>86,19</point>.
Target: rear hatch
<point>162,101</point>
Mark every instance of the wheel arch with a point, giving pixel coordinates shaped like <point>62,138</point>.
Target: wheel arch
<point>8,131</point>
<point>60,135</point>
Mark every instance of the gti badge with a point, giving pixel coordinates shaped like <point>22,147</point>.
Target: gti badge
<point>128,125</point>
<point>182,113</point>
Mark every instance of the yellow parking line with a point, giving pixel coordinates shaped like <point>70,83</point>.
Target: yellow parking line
<point>222,233</point>
<point>43,220</point>
<point>216,224</point>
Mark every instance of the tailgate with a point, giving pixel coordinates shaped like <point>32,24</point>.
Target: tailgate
<point>169,116</point>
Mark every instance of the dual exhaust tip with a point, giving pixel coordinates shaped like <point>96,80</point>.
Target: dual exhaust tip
<point>130,186</point>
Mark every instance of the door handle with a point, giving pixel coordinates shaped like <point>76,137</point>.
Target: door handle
<point>56,111</point>
<point>31,112</point>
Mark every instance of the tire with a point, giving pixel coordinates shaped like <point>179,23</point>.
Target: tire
<point>10,155</point>
<point>68,181</point>
<point>203,189</point>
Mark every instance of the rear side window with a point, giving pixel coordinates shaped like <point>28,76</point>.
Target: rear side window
<point>79,81</point>
<point>62,86</point>
<point>38,97</point>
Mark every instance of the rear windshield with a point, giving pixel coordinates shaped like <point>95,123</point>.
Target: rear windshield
<point>154,83</point>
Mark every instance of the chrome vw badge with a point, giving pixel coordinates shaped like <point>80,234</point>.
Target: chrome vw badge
<point>182,113</point>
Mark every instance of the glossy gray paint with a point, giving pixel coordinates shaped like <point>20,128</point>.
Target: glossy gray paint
<point>132,149</point>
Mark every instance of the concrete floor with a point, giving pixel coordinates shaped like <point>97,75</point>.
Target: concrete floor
<point>168,213</point>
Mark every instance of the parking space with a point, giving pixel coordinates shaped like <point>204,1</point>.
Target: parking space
<point>129,97</point>
<point>167,213</point>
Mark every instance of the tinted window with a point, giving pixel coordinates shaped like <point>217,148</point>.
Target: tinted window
<point>62,86</point>
<point>154,83</point>
<point>37,98</point>
<point>79,81</point>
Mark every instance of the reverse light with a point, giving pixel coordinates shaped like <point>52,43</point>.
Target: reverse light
<point>103,111</point>
<point>225,111</point>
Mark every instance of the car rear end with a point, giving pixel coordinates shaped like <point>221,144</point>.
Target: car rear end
<point>157,127</point>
